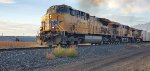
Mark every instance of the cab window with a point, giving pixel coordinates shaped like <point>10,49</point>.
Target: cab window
<point>72,12</point>
<point>62,9</point>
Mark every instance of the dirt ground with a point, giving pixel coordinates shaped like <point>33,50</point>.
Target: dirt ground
<point>15,44</point>
<point>132,61</point>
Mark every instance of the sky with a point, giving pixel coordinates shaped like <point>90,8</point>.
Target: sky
<point>23,17</point>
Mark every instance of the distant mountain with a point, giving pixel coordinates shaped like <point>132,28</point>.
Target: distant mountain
<point>21,38</point>
<point>145,27</point>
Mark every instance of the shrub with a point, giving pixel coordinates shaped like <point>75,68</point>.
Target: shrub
<point>71,52</point>
<point>64,52</point>
<point>59,51</point>
<point>137,46</point>
<point>50,56</point>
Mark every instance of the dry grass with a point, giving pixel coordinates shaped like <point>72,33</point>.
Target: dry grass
<point>132,46</point>
<point>14,44</point>
<point>65,52</point>
<point>50,56</point>
<point>71,52</point>
<point>147,44</point>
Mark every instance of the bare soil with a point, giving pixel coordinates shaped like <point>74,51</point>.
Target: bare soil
<point>15,44</point>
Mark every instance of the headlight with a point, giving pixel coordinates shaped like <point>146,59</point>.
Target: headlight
<point>50,16</point>
<point>53,27</point>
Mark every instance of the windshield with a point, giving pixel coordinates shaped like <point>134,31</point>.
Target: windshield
<point>51,10</point>
<point>57,9</point>
<point>62,9</point>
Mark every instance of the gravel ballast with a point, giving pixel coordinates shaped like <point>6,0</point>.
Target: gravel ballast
<point>29,60</point>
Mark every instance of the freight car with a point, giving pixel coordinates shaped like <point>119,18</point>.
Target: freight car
<point>146,36</point>
<point>63,25</point>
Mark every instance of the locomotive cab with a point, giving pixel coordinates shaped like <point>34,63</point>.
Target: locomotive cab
<point>56,23</point>
<point>52,25</point>
<point>53,20</point>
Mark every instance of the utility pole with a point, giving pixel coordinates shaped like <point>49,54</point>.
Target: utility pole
<point>2,34</point>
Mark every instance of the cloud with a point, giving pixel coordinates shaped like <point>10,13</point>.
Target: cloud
<point>90,6</point>
<point>123,6</point>
<point>129,6</point>
<point>15,29</point>
<point>127,20</point>
<point>7,1</point>
<point>128,12</point>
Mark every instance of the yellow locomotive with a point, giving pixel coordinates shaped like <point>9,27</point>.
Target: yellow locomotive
<point>64,25</point>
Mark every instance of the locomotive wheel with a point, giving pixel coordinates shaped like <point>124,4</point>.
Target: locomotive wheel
<point>64,45</point>
<point>57,39</point>
<point>76,42</point>
<point>102,43</point>
<point>92,43</point>
<point>49,45</point>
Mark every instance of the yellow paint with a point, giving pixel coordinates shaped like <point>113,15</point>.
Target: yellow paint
<point>53,16</point>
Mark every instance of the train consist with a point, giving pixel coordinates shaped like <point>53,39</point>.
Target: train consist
<point>66,26</point>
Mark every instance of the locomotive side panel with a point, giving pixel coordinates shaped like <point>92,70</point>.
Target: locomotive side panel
<point>120,31</point>
<point>77,24</point>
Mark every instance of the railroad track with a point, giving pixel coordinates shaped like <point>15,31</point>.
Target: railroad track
<point>32,48</point>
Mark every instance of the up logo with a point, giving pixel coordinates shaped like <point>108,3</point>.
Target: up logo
<point>55,22</point>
